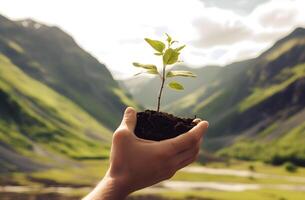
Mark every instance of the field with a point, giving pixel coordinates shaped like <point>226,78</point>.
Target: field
<point>215,181</point>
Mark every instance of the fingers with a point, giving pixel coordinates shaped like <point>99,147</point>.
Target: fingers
<point>190,138</point>
<point>129,119</point>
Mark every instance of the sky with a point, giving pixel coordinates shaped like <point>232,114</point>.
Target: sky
<point>215,31</point>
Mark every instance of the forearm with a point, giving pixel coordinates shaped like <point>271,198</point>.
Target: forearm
<point>107,189</point>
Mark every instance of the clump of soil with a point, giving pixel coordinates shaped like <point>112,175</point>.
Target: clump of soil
<point>152,125</point>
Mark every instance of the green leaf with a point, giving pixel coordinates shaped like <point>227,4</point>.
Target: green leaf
<point>152,71</point>
<point>172,42</point>
<point>149,71</point>
<point>175,85</point>
<point>156,44</point>
<point>158,54</point>
<point>169,38</point>
<point>179,48</point>
<point>170,56</point>
<point>145,66</point>
<point>180,73</point>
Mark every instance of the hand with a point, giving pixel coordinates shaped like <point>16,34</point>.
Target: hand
<point>137,163</point>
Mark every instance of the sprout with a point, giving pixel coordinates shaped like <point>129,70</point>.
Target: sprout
<point>170,56</point>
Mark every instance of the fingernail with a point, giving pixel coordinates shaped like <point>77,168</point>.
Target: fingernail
<point>206,123</point>
<point>129,110</point>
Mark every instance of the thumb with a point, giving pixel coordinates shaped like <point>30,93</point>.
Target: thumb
<point>191,138</point>
<point>129,120</point>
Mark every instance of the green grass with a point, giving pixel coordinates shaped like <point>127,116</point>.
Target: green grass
<point>183,176</point>
<point>15,46</point>
<point>14,79</point>
<point>87,173</point>
<point>82,173</point>
<point>289,148</point>
<point>283,49</point>
<point>285,148</point>
<point>10,136</point>
<point>260,94</point>
<point>48,120</point>
<point>261,194</point>
<point>260,167</point>
<point>268,130</point>
<point>246,195</point>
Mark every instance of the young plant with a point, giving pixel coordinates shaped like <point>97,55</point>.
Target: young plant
<point>170,56</point>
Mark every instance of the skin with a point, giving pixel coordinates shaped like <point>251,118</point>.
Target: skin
<point>137,163</point>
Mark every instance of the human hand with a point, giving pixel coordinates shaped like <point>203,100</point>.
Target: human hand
<point>137,163</point>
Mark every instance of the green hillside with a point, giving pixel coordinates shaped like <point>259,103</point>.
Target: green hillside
<point>38,126</point>
<point>51,56</point>
<point>259,112</point>
<point>58,104</point>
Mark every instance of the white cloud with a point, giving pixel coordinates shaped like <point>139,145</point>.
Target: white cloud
<point>113,30</point>
<point>220,27</point>
<point>239,6</point>
<point>280,14</point>
<point>240,37</point>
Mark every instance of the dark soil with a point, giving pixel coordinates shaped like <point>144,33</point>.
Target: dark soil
<point>152,125</point>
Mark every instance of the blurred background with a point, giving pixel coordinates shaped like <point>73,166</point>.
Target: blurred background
<point>66,77</point>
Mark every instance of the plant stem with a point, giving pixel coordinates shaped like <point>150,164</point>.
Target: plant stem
<point>161,88</point>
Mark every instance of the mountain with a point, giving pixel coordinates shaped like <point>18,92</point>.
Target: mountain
<point>273,113</point>
<point>58,104</point>
<point>40,128</point>
<point>51,56</point>
<point>256,107</point>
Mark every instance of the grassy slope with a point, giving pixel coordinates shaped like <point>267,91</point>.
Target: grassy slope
<point>40,124</point>
<point>289,147</point>
<point>53,57</point>
<point>273,143</point>
<point>255,105</point>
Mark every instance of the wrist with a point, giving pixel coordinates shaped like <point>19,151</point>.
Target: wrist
<point>117,185</point>
<point>109,188</point>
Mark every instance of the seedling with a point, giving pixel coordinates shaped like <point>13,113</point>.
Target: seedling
<point>157,125</point>
<point>170,56</point>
